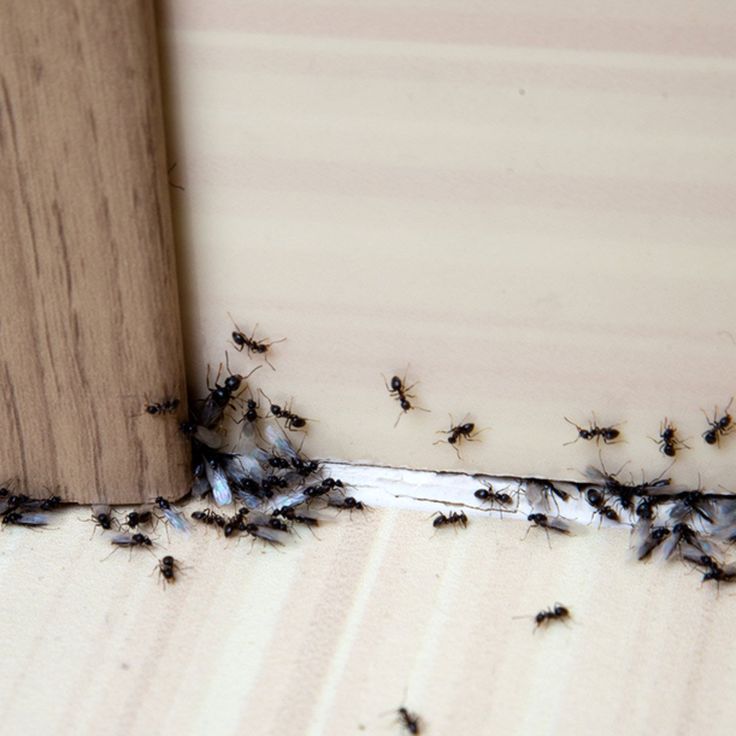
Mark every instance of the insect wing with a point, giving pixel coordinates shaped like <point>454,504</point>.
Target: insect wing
<point>218,481</point>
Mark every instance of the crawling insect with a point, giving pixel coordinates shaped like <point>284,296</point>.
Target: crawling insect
<point>548,524</point>
<point>292,421</point>
<point>167,406</point>
<point>131,540</point>
<point>136,519</point>
<point>209,517</point>
<point>103,518</point>
<point>398,389</point>
<point>648,537</point>
<point>457,433</point>
<point>18,518</point>
<point>172,514</point>
<point>609,435</point>
<point>558,612</point>
<point>212,407</point>
<point>167,569</point>
<point>348,503</point>
<point>719,426</point>
<point>720,574</point>
<point>668,443</point>
<point>241,342</point>
<point>410,721</point>
<point>488,494</point>
<point>452,518</point>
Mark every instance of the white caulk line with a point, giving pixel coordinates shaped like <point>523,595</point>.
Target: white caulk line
<point>352,626</point>
<point>420,489</point>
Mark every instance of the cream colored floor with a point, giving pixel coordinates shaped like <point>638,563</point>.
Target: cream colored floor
<point>328,634</point>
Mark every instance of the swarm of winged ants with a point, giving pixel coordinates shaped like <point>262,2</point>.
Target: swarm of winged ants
<point>254,480</point>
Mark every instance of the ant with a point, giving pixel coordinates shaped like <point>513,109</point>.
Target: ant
<point>410,721</point>
<point>291,421</point>
<point>501,498</point>
<point>557,613</point>
<point>259,347</point>
<point>130,541</point>
<point>555,524</point>
<point>719,427</point>
<point>609,435</point>
<point>209,517</point>
<point>167,569</point>
<point>720,574</point>
<point>102,517</point>
<point>401,392</point>
<point>598,501</point>
<point>138,518</point>
<point>488,494</point>
<point>250,415</point>
<point>452,518</point>
<point>168,406</point>
<point>220,396</point>
<point>668,442</point>
<point>349,503</point>
<point>457,433</point>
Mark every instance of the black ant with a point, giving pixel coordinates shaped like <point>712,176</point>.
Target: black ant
<point>167,569</point>
<point>451,518</point>
<point>220,396</point>
<point>168,406</point>
<point>488,494</point>
<point>291,421</point>
<point>410,721</point>
<point>719,427</point>
<point>668,442</point>
<point>137,518</point>
<point>609,435</point>
<point>131,540</point>
<point>558,612</point>
<point>457,433</point>
<point>401,392</point>
<point>260,347</point>
<point>547,523</point>
<point>209,517</point>
<point>250,415</point>
<point>103,518</point>
<point>718,573</point>
<point>499,498</point>
<point>348,503</point>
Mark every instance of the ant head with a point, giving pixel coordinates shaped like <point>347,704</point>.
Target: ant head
<point>168,560</point>
<point>560,610</point>
<point>405,405</point>
<point>467,428</point>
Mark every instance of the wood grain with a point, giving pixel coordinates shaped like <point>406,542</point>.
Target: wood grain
<point>89,315</point>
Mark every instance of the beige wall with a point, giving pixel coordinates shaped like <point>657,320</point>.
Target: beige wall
<point>531,203</point>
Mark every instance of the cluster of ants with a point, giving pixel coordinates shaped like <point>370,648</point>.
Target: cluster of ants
<point>696,526</point>
<point>246,460</point>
